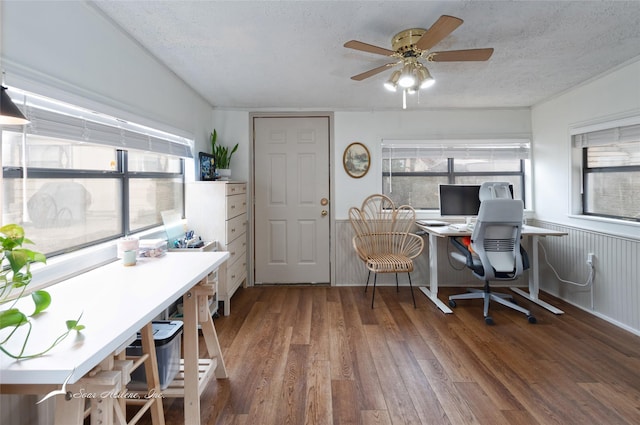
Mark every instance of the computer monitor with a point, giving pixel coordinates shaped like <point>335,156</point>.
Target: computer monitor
<point>459,200</point>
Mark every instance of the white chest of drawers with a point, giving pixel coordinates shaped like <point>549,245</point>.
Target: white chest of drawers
<point>217,211</point>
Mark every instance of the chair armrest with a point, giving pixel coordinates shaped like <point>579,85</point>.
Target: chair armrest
<point>414,245</point>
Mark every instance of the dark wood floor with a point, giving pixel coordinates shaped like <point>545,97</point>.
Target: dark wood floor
<point>320,355</point>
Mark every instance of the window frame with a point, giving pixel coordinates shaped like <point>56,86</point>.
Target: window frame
<point>586,171</point>
<point>579,139</point>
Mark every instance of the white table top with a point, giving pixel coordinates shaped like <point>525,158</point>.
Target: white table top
<point>446,231</point>
<point>115,302</point>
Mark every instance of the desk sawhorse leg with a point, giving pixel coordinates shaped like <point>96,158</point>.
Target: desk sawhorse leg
<point>152,399</point>
<point>197,371</point>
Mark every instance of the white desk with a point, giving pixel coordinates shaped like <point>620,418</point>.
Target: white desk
<point>442,232</point>
<point>115,302</point>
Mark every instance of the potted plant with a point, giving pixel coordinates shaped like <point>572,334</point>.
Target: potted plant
<point>222,156</point>
<point>15,276</point>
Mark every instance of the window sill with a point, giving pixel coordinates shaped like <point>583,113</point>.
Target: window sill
<point>64,266</point>
<point>605,220</point>
<point>615,227</point>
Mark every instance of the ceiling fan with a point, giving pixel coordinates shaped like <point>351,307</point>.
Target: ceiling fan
<point>411,45</point>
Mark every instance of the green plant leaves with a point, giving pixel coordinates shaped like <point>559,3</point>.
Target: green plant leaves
<point>20,257</point>
<point>18,276</point>
<point>12,317</point>
<point>42,300</point>
<point>221,153</point>
<point>72,325</point>
<point>14,236</point>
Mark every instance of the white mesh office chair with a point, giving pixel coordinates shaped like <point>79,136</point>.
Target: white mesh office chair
<point>494,252</point>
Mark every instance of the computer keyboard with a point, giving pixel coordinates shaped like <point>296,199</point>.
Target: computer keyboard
<point>432,222</point>
<point>462,227</point>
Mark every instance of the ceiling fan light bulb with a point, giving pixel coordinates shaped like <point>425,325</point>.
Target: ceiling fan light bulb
<point>407,78</point>
<point>392,83</point>
<point>427,83</point>
<point>426,78</point>
<point>407,81</point>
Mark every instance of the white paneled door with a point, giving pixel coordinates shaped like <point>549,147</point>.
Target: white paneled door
<point>291,219</point>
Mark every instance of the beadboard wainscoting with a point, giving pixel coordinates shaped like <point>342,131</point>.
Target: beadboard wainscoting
<point>616,291</point>
<point>615,295</point>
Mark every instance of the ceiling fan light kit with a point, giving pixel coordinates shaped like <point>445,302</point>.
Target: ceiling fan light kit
<point>411,45</point>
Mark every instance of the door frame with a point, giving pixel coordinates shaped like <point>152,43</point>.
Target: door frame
<point>251,188</point>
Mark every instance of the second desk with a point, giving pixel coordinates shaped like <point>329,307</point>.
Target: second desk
<point>437,233</point>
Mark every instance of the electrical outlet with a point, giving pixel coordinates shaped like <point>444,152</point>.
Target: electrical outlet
<point>590,257</point>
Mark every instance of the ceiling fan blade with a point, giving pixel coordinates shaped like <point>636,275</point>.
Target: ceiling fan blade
<point>369,48</point>
<point>372,72</point>
<point>442,28</point>
<point>462,55</point>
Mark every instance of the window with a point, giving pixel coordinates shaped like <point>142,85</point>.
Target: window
<point>611,172</point>
<point>74,178</point>
<point>412,172</point>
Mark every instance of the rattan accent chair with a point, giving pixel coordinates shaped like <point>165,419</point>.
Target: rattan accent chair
<point>383,239</point>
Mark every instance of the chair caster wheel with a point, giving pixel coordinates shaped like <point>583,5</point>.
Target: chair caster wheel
<point>452,303</point>
<point>531,319</point>
<point>488,320</point>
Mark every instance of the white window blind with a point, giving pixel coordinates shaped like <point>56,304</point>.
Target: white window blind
<point>458,149</point>
<point>59,120</point>
<point>609,136</point>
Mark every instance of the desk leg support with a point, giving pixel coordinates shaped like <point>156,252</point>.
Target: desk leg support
<point>69,412</point>
<point>534,280</point>
<point>101,389</point>
<point>191,357</point>
<point>209,332</point>
<point>432,291</point>
<point>153,379</point>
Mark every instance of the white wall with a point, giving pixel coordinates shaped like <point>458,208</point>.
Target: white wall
<point>612,96</point>
<point>233,127</point>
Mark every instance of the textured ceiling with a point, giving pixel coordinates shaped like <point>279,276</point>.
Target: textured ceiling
<point>290,55</point>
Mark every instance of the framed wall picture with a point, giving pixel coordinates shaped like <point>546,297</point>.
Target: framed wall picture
<point>207,166</point>
<point>356,160</point>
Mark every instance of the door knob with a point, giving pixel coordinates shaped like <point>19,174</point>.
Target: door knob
<point>323,213</point>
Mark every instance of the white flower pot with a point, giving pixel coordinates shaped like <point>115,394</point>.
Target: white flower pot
<point>225,173</point>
